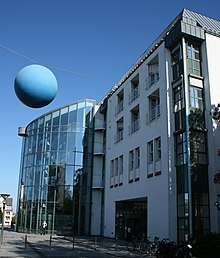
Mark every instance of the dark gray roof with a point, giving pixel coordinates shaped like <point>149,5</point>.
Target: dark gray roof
<point>208,24</point>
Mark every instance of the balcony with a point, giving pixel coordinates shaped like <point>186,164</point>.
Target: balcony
<point>152,79</point>
<point>153,114</point>
<point>119,107</point>
<point>97,182</point>
<point>119,136</point>
<point>99,125</point>
<point>135,125</point>
<point>134,94</point>
<point>98,149</point>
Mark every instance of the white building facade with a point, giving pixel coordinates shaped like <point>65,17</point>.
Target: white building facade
<point>158,144</point>
<point>6,211</point>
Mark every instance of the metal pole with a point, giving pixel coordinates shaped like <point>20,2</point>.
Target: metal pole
<point>50,240</point>
<point>95,242</point>
<point>25,241</point>
<point>3,222</point>
<point>2,228</point>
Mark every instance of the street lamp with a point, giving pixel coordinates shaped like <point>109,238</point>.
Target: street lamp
<point>4,196</point>
<point>217,204</point>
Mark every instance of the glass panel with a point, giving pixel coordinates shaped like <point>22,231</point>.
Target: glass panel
<point>72,117</point>
<point>69,175</point>
<point>61,159</point>
<point>81,105</point>
<point>63,141</point>
<point>81,117</point>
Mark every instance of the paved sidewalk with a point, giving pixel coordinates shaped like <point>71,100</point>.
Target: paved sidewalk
<point>58,246</point>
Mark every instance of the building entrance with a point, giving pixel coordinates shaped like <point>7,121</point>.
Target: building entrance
<point>131,214</point>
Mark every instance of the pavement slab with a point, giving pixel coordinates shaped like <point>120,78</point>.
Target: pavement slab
<point>32,245</point>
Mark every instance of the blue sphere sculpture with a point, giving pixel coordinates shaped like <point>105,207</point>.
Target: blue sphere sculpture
<point>35,86</point>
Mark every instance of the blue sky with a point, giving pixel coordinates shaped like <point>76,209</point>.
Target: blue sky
<point>97,40</point>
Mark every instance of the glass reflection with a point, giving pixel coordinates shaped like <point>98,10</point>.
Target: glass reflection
<point>53,152</point>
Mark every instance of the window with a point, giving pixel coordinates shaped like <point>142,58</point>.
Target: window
<point>179,107</point>
<point>196,100</point>
<point>116,172</point>
<point>112,168</point>
<point>134,119</point>
<point>154,106</point>
<point>178,98</point>
<point>131,160</point>
<point>121,165</point>
<point>193,56</point>
<point>116,167</point>
<point>177,64</point>
<point>150,152</point>
<point>137,158</point>
<point>198,148</point>
<point>120,102</point>
<point>134,88</point>
<point>120,129</point>
<point>153,71</point>
<point>158,149</point>
<point>181,149</point>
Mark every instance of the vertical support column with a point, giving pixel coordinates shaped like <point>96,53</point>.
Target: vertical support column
<point>186,92</point>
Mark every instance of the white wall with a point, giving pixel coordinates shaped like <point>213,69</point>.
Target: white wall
<point>211,73</point>
<point>156,189</point>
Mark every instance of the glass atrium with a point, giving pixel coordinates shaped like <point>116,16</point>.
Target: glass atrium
<point>51,164</point>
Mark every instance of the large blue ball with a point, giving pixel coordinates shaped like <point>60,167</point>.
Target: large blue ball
<point>35,86</point>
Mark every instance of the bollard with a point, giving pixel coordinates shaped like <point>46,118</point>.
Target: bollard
<point>50,241</point>
<point>73,242</point>
<point>95,242</point>
<point>25,241</point>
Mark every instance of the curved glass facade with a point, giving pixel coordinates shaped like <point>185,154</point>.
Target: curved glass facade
<point>52,159</point>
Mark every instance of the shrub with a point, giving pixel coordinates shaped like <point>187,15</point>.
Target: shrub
<point>206,245</point>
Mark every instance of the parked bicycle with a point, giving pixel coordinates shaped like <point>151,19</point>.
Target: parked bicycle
<point>184,250</point>
<point>165,247</point>
<point>134,244</point>
<point>169,249</point>
<point>149,247</point>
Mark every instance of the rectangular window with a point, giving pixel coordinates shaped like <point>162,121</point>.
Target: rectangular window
<point>150,146</point>
<point>120,102</point>
<point>112,168</point>
<point>178,98</point>
<point>154,106</point>
<point>134,93</point>
<point>131,160</point>
<point>153,72</point>
<point>120,129</point>
<point>137,157</point>
<point>177,64</point>
<point>116,167</point>
<point>135,123</point>
<point>196,98</point>
<point>198,148</point>
<point>181,149</point>
<point>121,165</point>
<point>193,57</point>
<point>158,149</point>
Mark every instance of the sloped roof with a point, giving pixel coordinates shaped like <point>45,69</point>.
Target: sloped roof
<point>209,25</point>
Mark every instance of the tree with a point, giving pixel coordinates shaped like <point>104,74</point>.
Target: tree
<point>216,116</point>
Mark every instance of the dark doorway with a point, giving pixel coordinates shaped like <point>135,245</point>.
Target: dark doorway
<point>131,214</point>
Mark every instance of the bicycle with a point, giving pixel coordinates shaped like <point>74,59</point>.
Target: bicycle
<point>134,244</point>
<point>148,247</point>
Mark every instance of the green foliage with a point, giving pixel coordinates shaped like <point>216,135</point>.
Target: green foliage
<point>206,246</point>
<point>13,220</point>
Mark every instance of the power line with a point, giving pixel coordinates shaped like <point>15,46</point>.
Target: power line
<point>52,67</point>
